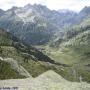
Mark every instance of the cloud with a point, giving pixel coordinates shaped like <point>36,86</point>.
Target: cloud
<point>75,5</point>
<point>6,4</point>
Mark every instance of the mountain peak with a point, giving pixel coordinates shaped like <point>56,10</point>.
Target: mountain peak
<point>28,5</point>
<point>1,12</point>
<point>14,8</point>
<point>85,10</point>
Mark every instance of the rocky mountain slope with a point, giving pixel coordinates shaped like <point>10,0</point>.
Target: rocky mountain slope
<point>18,60</point>
<point>35,24</point>
<point>72,49</point>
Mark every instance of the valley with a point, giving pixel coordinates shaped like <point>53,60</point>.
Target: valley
<point>45,47</point>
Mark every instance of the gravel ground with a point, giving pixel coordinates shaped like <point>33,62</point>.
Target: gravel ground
<point>47,81</point>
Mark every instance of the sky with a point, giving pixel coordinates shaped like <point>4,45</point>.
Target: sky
<point>75,5</point>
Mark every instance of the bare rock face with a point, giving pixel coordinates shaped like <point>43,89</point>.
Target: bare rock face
<point>47,81</point>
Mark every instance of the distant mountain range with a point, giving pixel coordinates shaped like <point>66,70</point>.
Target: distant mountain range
<point>36,24</point>
<point>62,39</point>
<point>31,21</point>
